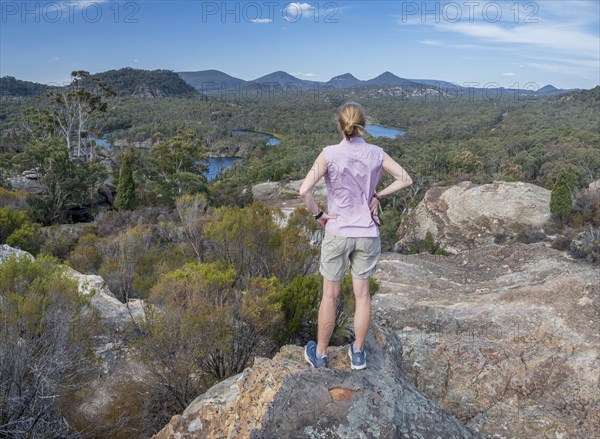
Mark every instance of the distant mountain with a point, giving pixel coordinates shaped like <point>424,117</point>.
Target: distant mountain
<point>12,87</point>
<point>278,76</point>
<point>162,83</point>
<point>436,83</point>
<point>124,82</point>
<point>213,81</point>
<point>549,89</point>
<point>144,83</point>
<point>346,80</point>
<point>284,80</point>
<point>207,81</point>
<point>387,78</point>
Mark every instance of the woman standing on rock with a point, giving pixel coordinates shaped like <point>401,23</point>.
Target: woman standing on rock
<point>352,170</point>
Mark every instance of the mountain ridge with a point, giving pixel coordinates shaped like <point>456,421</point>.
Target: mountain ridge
<point>126,81</point>
<point>343,81</point>
<point>161,83</point>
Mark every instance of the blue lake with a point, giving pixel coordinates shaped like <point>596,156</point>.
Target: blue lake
<point>104,141</point>
<point>381,131</point>
<point>216,165</point>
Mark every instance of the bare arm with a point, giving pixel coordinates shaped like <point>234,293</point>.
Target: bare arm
<point>317,172</point>
<point>395,170</point>
<point>402,180</point>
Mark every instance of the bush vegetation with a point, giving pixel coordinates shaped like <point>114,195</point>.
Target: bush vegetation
<point>225,278</point>
<point>45,347</point>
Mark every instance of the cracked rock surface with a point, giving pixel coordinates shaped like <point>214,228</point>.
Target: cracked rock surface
<point>506,337</point>
<point>286,398</point>
<point>467,215</point>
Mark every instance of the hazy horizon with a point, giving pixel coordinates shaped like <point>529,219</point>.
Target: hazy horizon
<point>507,43</point>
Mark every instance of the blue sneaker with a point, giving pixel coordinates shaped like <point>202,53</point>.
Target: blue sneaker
<point>310,354</point>
<point>358,358</point>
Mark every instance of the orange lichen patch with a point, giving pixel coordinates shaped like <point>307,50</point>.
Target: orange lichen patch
<point>341,394</point>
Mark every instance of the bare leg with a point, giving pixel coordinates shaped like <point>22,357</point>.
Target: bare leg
<point>362,313</point>
<point>331,291</point>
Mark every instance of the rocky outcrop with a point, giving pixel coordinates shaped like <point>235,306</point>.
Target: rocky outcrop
<point>26,184</point>
<point>120,364</point>
<point>281,193</point>
<point>467,215</point>
<point>114,313</point>
<point>285,398</point>
<point>284,195</point>
<point>6,251</point>
<point>103,199</point>
<point>504,337</point>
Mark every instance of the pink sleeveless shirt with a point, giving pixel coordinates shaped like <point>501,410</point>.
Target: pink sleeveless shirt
<point>354,168</point>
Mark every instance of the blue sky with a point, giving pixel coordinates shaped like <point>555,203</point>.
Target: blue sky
<point>466,42</point>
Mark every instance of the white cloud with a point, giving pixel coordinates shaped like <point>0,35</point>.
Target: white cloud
<point>304,7</point>
<point>544,36</point>
<point>507,74</point>
<point>136,60</point>
<point>576,12</point>
<point>56,58</point>
<point>294,11</point>
<point>582,62</point>
<point>557,36</point>
<point>261,20</point>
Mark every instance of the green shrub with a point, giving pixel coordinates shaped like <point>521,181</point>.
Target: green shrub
<point>300,303</point>
<point>428,243</point>
<point>561,199</point>
<point>13,199</point>
<point>126,198</point>
<point>388,231</point>
<point>531,234</point>
<point>86,257</point>
<point>27,237</point>
<point>562,243</point>
<point>60,239</point>
<point>586,244</point>
<point>300,306</point>
<point>45,346</point>
<point>441,252</point>
<point>10,220</point>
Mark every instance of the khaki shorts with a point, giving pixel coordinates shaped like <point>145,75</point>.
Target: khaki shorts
<point>339,252</point>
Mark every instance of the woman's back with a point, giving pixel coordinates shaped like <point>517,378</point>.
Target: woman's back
<point>354,169</point>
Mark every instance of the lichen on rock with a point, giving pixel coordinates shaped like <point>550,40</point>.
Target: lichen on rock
<point>285,397</point>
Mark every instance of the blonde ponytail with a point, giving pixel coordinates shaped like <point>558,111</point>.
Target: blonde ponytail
<point>352,119</point>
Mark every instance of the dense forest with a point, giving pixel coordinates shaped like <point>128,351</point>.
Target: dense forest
<point>223,278</point>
